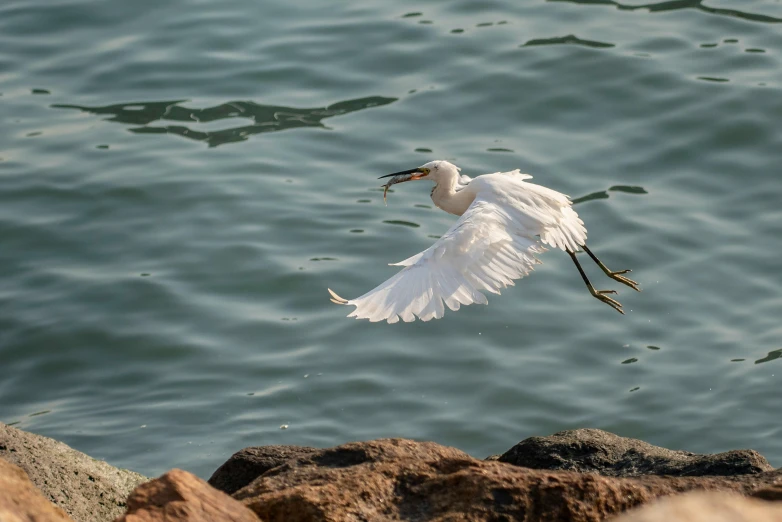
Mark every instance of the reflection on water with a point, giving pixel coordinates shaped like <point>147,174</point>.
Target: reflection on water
<point>603,194</point>
<point>402,223</point>
<point>772,355</point>
<point>628,189</point>
<point>600,194</point>
<point>265,118</point>
<point>713,79</point>
<point>673,5</point>
<point>569,39</point>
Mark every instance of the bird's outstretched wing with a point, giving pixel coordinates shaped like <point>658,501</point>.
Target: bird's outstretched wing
<point>483,251</point>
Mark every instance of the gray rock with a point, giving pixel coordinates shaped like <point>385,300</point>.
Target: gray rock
<point>88,490</point>
<point>250,463</point>
<point>597,451</point>
<point>20,500</point>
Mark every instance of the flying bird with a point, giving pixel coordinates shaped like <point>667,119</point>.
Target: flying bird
<point>504,222</point>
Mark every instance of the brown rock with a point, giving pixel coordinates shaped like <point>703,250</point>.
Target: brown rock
<point>179,496</point>
<point>88,490</point>
<point>705,507</point>
<point>770,493</point>
<point>20,501</point>
<point>250,463</point>
<point>598,451</point>
<point>397,479</point>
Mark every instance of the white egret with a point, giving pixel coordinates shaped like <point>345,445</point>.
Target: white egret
<point>504,222</point>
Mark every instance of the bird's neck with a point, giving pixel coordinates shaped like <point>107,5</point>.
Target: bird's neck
<point>446,197</point>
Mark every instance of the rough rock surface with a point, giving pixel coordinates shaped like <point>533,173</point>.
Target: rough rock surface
<point>705,507</point>
<point>88,490</point>
<point>250,463</point>
<point>598,451</point>
<point>397,479</point>
<point>770,493</point>
<point>20,501</point>
<point>179,496</point>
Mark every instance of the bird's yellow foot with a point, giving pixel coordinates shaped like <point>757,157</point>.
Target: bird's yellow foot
<point>613,303</point>
<point>617,276</point>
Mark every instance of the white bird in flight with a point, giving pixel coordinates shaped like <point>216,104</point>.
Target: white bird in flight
<point>504,222</point>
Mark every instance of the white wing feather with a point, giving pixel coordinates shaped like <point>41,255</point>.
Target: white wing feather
<point>492,243</point>
<point>539,209</point>
<point>485,250</point>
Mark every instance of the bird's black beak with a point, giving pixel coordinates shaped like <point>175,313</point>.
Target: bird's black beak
<point>415,174</point>
<point>401,177</point>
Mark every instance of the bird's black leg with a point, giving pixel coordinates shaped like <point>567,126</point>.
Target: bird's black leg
<point>616,276</point>
<point>600,294</point>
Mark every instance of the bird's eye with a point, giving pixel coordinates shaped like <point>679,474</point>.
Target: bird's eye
<point>425,171</point>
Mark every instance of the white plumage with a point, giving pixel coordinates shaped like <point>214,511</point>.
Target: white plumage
<point>504,222</point>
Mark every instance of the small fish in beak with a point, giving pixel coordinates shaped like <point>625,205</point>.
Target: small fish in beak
<point>393,181</point>
<point>400,177</point>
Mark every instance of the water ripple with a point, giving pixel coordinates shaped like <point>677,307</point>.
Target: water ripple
<point>265,118</point>
<point>239,243</point>
<point>568,40</point>
<point>402,223</point>
<point>675,5</point>
<point>772,355</point>
<point>603,194</point>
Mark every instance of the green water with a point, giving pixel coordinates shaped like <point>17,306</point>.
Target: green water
<point>180,182</point>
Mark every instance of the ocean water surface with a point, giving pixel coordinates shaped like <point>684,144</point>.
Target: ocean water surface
<point>181,181</point>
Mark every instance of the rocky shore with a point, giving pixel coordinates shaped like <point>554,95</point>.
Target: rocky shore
<point>571,476</point>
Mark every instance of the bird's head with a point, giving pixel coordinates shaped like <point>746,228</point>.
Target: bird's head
<point>436,171</point>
